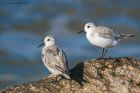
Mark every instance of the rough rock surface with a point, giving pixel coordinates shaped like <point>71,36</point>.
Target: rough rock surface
<point>112,75</point>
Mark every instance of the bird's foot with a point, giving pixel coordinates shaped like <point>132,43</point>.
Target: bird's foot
<point>52,76</point>
<point>55,78</point>
<point>100,58</point>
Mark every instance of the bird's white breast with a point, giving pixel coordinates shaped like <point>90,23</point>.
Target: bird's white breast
<point>97,40</point>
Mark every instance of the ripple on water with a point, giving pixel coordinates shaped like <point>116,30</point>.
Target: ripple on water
<point>23,27</point>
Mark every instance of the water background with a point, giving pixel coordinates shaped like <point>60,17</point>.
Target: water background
<point>23,25</point>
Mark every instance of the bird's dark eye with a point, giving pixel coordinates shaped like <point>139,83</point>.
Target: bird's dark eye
<point>48,39</point>
<point>88,26</point>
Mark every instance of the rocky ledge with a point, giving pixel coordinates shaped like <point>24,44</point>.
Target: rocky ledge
<point>111,75</point>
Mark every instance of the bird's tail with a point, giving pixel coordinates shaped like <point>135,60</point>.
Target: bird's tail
<point>130,35</point>
<point>66,76</point>
<point>126,36</point>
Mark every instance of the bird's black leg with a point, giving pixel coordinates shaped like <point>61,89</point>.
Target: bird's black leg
<point>103,52</point>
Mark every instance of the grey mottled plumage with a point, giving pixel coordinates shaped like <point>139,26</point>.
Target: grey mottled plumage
<point>108,33</point>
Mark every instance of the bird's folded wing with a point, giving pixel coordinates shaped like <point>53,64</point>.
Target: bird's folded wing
<point>58,59</point>
<point>107,33</point>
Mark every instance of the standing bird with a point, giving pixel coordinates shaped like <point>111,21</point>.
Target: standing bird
<point>103,37</point>
<point>54,58</point>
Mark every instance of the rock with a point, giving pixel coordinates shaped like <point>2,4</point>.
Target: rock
<point>111,75</point>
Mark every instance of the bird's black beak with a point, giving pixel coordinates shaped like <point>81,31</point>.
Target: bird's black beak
<point>41,45</point>
<point>80,32</point>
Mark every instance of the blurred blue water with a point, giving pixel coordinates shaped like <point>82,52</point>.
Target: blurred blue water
<point>23,26</point>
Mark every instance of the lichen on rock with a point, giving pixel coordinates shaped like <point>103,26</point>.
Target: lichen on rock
<point>110,75</point>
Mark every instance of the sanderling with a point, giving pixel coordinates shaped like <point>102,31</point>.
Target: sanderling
<point>54,58</point>
<point>103,37</point>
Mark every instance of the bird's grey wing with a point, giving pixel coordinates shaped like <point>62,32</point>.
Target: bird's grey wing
<point>108,33</point>
<point>57,58</point>
<point>63,58</point>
